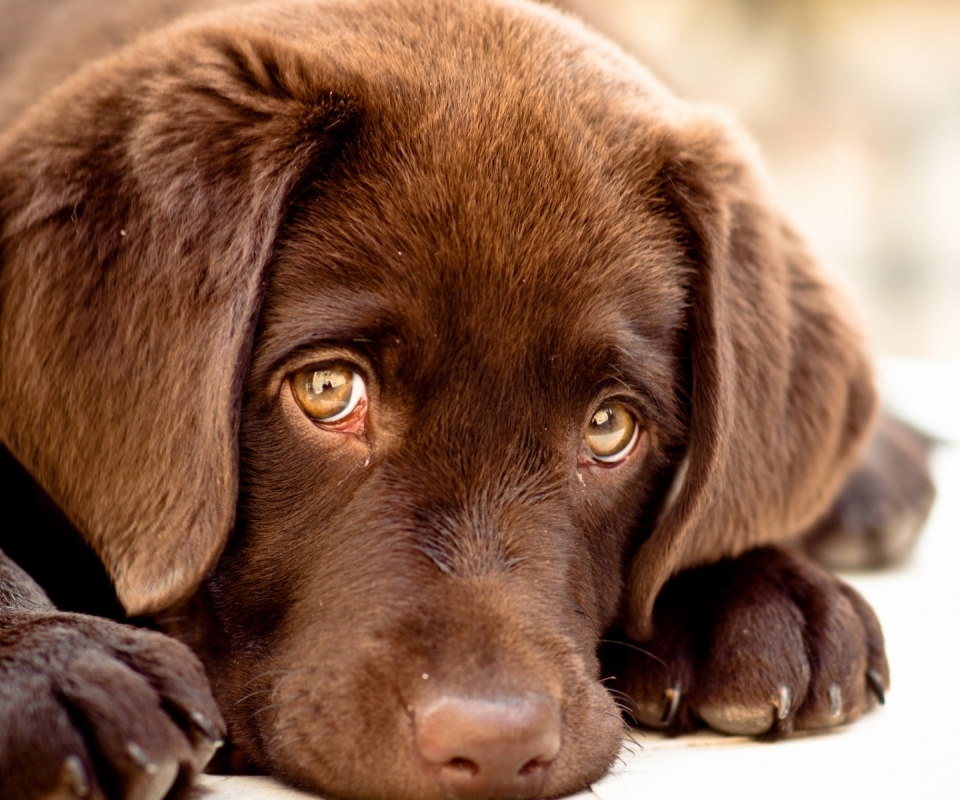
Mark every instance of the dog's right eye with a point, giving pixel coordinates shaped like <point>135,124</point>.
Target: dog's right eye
<point>329,394</point>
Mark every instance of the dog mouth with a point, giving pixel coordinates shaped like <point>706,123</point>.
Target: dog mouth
<point>373,717</point>
<point>452,745</point>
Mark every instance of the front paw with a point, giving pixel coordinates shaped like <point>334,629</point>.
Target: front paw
<point>759,645</point>
<point>95,709</point>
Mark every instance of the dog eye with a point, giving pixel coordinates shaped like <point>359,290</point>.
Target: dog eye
<point>329,394</point>
<point>611,433</point>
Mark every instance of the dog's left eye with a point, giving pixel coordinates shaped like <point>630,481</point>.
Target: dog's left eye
<point>611,433</point>
<point>329,394</point>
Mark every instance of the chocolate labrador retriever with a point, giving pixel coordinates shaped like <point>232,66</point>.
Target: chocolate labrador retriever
<point>393,357</point>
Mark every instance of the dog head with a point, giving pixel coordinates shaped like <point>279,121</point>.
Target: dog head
<point>428,340</point>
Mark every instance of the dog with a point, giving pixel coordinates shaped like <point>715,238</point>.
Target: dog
<point>427,383</point>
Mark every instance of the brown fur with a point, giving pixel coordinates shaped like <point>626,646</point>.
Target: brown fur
<point>502,222</point>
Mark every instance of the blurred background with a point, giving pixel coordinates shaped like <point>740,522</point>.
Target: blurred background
<point>856,106</point>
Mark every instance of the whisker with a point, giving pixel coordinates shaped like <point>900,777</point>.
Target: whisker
<point>291,722</point>
<point>269,672</point>
<point>630,735</point>
<point>277,739</point>
<point>292,673</point>
<point>252,694</point>
<point>620,719</point>
<point>633,646</point>
<point>267,707</point>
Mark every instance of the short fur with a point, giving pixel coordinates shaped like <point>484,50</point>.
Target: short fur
<point>502,222</point>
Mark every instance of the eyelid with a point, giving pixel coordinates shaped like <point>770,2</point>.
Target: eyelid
<point>320,356</point>
<point>324,357</point>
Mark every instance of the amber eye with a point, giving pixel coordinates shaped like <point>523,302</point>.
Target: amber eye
<point>611,433</point>
<point>329,394</point>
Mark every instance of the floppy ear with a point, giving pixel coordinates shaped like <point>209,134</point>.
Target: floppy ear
<point>138,209</point>
<point>781,394</point>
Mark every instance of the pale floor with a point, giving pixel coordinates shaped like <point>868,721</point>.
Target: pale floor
<point>910,748</point>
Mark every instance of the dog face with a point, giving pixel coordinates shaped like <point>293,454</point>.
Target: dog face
<point>449,335</point>
<point>462,530</point>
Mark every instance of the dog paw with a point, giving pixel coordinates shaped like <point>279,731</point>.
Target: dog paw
<point>760,645</point>
<point>879,513</point>
<point>95,709</point>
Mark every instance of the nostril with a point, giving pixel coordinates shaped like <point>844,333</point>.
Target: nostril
<point>463,765</point>
<point>533,766</point>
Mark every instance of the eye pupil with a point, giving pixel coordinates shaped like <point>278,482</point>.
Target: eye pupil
<point>324,380</point>
<point>611,433</point>
<point>328,394</point>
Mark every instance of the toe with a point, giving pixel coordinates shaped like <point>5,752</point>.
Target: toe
<point>140,748</point>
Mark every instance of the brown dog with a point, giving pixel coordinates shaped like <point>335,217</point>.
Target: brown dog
<point>392,355</point>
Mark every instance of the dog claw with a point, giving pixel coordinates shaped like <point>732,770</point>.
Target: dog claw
<point>209,741</point>
<point>784,701</point>
<point>835,695</point>
<point>74,777</point>
<point>876,683</point>
<point>207,728</point>
<point>672,696</point>
<point>155,780</point>
<point>141,759</point>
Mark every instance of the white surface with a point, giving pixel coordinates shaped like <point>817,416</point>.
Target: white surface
<point>910,748</point>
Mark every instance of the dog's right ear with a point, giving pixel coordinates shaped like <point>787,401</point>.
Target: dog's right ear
<point>139,204</point>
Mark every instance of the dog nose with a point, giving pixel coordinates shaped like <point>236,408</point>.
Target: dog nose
<point>484,749</point>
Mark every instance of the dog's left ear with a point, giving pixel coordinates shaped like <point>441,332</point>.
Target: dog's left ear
<point>138,208</point>
<point>781,393</point>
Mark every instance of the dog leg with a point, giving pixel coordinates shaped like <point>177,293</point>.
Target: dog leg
<point>91,708</point>
<point>880,511</point>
